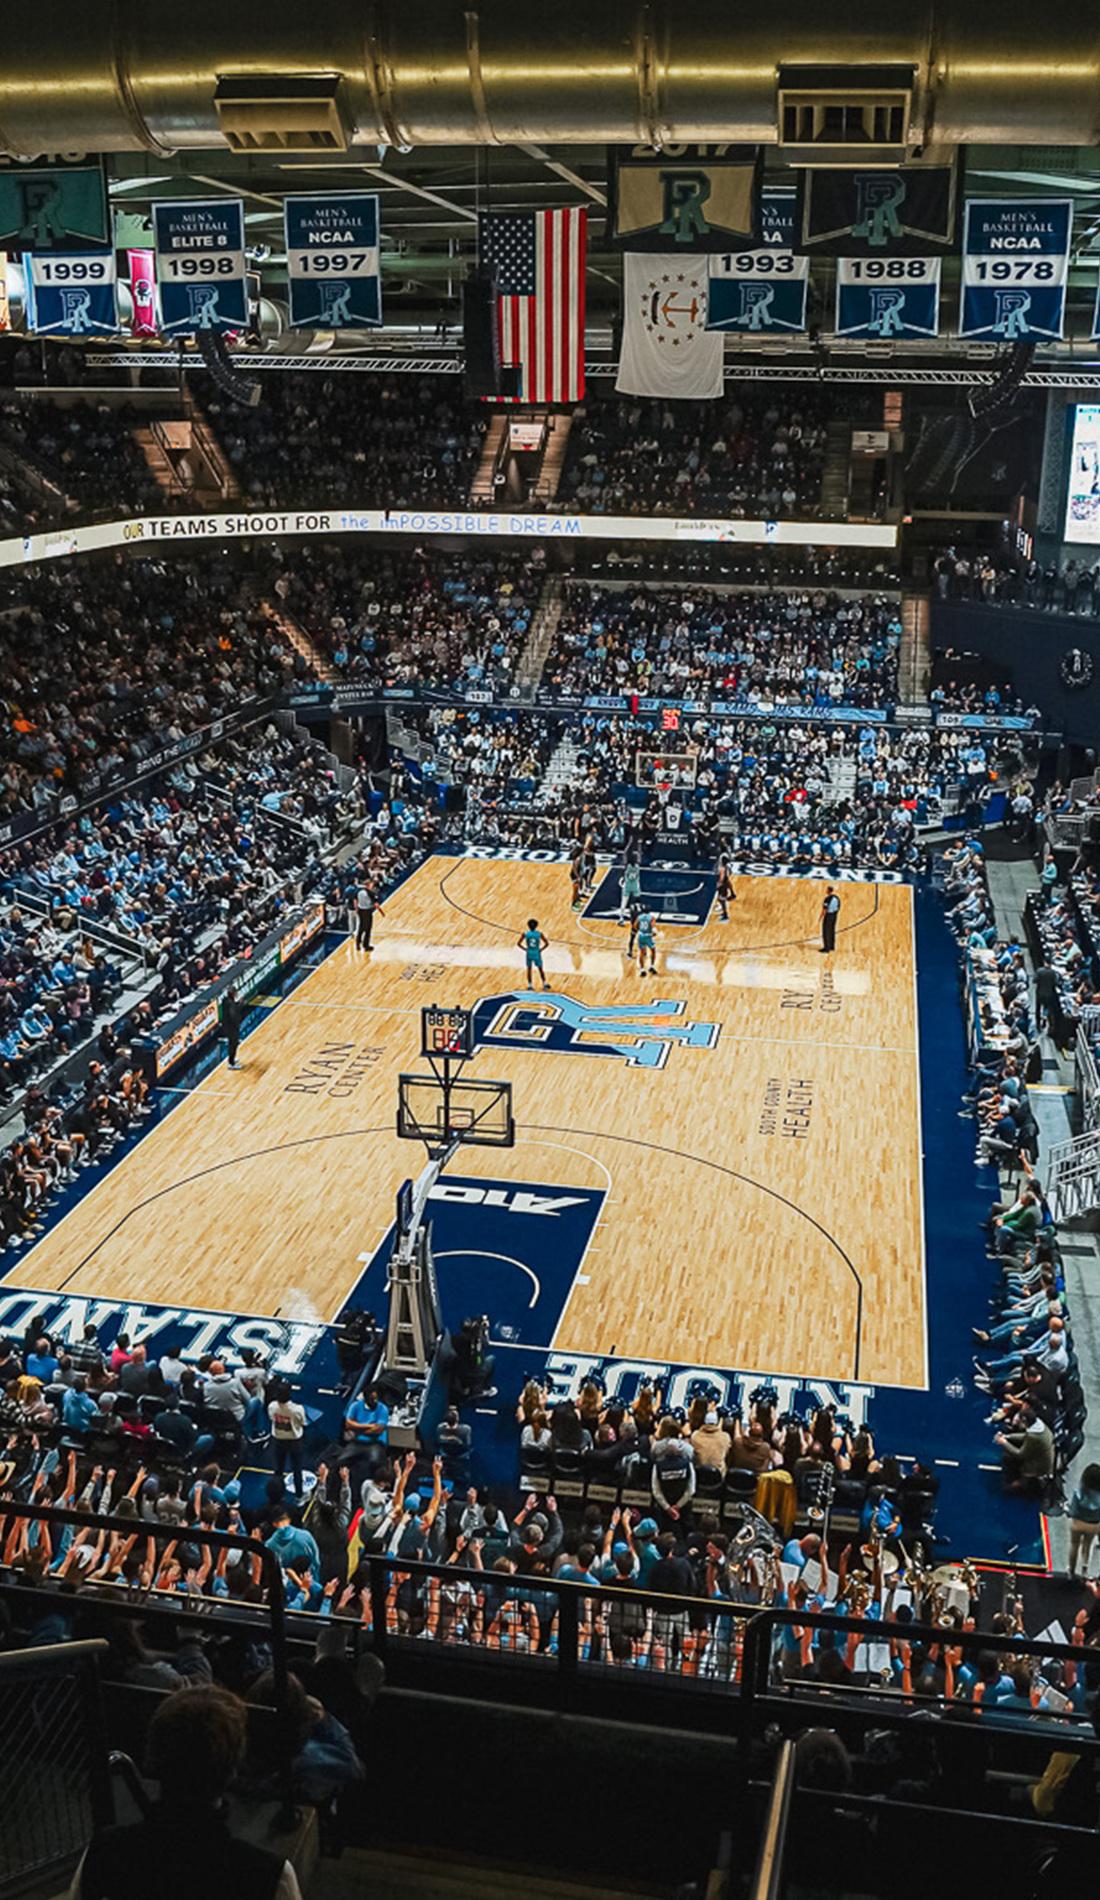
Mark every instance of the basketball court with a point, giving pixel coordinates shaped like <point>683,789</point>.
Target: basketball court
<point>720,1165</point>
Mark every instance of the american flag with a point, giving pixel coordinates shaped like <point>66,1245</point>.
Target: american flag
<point>538,258</point>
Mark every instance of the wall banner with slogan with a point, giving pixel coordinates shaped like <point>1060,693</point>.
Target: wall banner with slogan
<point>686,198</point>
<point>200,265</point>
<point>1015,266</point>
<point>887,296</point>
<point>71,296</point>
<point>332,258</point>
<point>55,207</point>
<point>908,212</point>
<point>763,288</point>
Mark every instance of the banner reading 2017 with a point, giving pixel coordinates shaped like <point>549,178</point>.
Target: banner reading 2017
<point>200,266</point>
<point>1015,265</point>
<point>332,260</point>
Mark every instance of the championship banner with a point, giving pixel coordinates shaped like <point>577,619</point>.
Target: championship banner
<point>763,288</point>
<point>200,265</point>
<point>54,207</point>
<point>667,349</point>
<point>909,211</point>
<point>705,200</point>
<point>888,296</point>
<point>71,296</point>
<point>5,305</point>
<point>332,260</point>
<point>143,293</point>
<point>1015,266</point>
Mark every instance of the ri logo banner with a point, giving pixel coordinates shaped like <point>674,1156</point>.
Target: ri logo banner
<point>641,1035</point>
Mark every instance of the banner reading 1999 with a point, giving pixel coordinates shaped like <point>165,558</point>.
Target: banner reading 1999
<point>200,266</point>
<point>71,295</point>
<point>1015,264</point>
<point>332,258</point>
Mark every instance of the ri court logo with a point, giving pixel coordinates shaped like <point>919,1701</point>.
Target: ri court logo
<point>639,1034</point>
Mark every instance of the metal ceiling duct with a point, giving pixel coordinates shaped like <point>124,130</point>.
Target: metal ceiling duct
<point>130,75</point>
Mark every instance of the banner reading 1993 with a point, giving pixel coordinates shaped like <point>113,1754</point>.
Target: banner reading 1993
<point>764,287</point>
<point>200,266</point>
<point>887,296</point>
<point>1015,265</point>
<point>332,259</point>
<point>71,296</point>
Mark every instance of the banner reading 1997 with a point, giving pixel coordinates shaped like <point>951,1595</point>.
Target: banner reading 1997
<point>200,266</point>
<point>887,296</point>
<point>764,287</point>
<point>332,259</point>
<point>1015,265</point>
<point>71,295</point>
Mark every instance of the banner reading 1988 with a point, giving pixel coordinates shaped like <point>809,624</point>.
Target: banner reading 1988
<point>71,295</point>
<point>332,259</point>
<point>200,266</point>
<point>764,287</point>
<point>887,296</point>
<point>1015,264</point>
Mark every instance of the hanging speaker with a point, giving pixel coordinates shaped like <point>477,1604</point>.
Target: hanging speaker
<point>479,334</point>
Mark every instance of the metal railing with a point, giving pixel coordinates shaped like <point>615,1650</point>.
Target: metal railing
<point>130,1603</point>
<point>767,1880</point>
<point>53,1759</point>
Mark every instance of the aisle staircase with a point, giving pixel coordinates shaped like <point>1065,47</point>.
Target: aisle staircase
<point>553,455</point>
<point>186,460</point>
<point>562,766</point>
<point>296,636</point>
<point>482,488</point>
<point>1073,1179</point>
<point>540,637</point>
<point>837,473</point>
<point>915,654</point>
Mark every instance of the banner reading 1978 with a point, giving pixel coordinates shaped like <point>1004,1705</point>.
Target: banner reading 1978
<point>332,259</point>
<point>200,265</point>
<point>764,287</point>
<point>1015,265</point>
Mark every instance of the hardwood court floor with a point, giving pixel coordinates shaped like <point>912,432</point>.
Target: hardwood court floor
<point>764,1206</point>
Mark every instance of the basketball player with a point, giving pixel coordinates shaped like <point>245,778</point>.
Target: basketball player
<point>588,865</point>
<point>576,873</point>
<point>647,942</point>
<point>725,892</point>
<point>533,943</point>
<point>830,911</point>
<point>631,888</point>
<point>635,913</point>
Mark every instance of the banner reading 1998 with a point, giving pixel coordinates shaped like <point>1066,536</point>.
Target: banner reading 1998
<point>887,296</point>
<point>71,295</point>
<point>1015,264</point>
<point>200,266</point>
<point>332,259</point>
<point>763,288</point>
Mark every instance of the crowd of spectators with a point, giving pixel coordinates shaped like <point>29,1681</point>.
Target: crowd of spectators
<point>87,450</point>
<point>1059,917</point>
<point>795,650</point>
<point>387,618</point>
<point>107,660</point>
<point>354,441</point>
<point>798,794</point>
<point>1027,1366</point>
<point>754,452</point>
<point>977,697</point>
<point>999,578</point>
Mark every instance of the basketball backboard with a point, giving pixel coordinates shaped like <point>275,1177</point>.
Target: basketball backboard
<point>476,1113</point>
